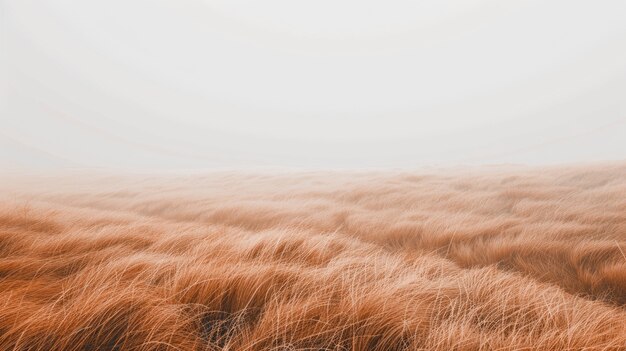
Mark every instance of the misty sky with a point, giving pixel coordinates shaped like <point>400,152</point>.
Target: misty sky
<point>157,84</point>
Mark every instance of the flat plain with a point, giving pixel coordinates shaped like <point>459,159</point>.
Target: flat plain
<point>482,258</point>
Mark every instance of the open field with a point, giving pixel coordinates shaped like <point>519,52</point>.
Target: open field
<point>496,258</point>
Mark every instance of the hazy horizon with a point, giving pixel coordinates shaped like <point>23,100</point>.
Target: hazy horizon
<point>210,84</point>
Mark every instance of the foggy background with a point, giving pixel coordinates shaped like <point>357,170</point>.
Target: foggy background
<point>179,84</point>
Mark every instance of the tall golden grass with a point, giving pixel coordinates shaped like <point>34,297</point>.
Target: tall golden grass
<point>468,259</point>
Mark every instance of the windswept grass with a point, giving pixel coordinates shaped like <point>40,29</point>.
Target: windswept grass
<point>472,259</point>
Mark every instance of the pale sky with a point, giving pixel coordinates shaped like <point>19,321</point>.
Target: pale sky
<point>203,84</point>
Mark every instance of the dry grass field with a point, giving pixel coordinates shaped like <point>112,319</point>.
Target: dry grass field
<point>495,258</point>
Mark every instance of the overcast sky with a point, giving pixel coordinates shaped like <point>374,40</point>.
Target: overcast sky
<point>327,83</point>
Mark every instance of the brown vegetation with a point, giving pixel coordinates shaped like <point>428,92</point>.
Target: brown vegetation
<point>471,259</point>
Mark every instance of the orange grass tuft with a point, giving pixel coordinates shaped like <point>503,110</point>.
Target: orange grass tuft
<point>473,259</point>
